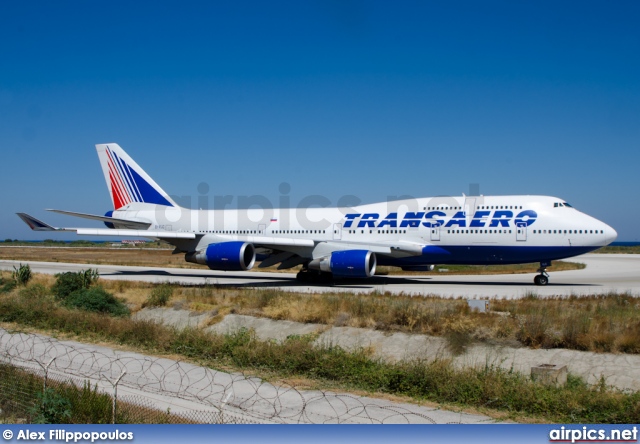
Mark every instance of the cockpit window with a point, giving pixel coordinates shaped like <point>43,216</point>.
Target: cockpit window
<point>567,205</point>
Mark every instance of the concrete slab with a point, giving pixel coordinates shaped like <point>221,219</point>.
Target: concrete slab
<point>265,329</point>
<point>173,317</point>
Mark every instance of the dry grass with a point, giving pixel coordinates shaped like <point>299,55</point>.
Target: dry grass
<point>438,381</point>
<point>600,323</point>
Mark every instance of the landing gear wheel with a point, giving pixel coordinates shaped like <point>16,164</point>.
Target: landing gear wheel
<point>541,280</point>
<point>315,277</point>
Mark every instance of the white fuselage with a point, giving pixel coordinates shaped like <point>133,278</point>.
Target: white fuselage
<point>482,229</point>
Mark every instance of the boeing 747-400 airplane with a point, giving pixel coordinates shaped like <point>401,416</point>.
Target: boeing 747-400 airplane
<point>413,234</point>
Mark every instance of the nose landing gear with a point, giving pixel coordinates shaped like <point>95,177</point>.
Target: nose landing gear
<point>542,278</point>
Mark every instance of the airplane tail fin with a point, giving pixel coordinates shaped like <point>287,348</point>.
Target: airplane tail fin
<point>126,181</point>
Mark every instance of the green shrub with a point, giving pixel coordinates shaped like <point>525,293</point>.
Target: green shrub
<point>96,299</point>
<point>7,286</point>
<point>52,408</point>
<point>159,296</point>
<point>70,282</point>
<point>22,274</point>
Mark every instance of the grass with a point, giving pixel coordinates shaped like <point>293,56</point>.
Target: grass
<point>22,400</point>
<point>490,387</point>
<point>81,243</point>
<point>159,296</point>
<point>615,249</point>
<point>598,323</point>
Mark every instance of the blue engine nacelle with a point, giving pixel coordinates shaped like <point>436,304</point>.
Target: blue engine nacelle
<point>349,263</point>
<point>227,256</point>
<point>109,224</point>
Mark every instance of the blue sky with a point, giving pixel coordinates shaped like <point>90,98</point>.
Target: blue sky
<point>334,98</point>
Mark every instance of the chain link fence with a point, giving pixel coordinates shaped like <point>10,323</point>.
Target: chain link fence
<point>42,378</point>
<point>35,396</point>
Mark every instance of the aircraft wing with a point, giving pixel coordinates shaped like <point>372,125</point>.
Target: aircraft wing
<point>400,248</point>
<point>271,242</point>
<point>294,245</point>
<point>133,233</point>
<point>396,249</point>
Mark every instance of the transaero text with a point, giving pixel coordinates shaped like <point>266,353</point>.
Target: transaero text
<point>480,219</point>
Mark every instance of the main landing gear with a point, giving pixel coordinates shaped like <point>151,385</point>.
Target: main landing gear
<point>314,276</point>
<point>543,278</point>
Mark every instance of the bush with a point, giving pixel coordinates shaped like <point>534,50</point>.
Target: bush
<point>22,274</point>
<point>7,286</point>
<point>96,299</point>
<point>159,296</point>
<point>69,282</point>
<point>52,408</point>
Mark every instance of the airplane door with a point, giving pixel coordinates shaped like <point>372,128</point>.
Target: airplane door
<point>521,231</point>
<point>435,233</point>
<point>261,228</point>
<point>337,231</point>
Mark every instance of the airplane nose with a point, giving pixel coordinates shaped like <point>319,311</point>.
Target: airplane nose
<point>610,235</point>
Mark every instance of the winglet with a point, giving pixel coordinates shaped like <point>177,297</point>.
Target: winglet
<point>35,224</point>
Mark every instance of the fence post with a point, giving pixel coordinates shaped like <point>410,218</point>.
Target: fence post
<point>115,395</point>
<point>45,368</point>
<point>224,403</point>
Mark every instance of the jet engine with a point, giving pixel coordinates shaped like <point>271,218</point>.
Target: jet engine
<point>227,256</point>
<point>349,263</point>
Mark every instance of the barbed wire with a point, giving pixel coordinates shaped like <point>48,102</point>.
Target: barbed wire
<point>186,389</point>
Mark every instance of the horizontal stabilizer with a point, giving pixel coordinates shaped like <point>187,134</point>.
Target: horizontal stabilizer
<point>38,225</point>
<point>131,223</point>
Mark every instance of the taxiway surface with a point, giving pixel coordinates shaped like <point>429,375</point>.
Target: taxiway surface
<point>604,273</point>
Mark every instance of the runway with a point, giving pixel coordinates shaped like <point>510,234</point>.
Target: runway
<point>604,273</point>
